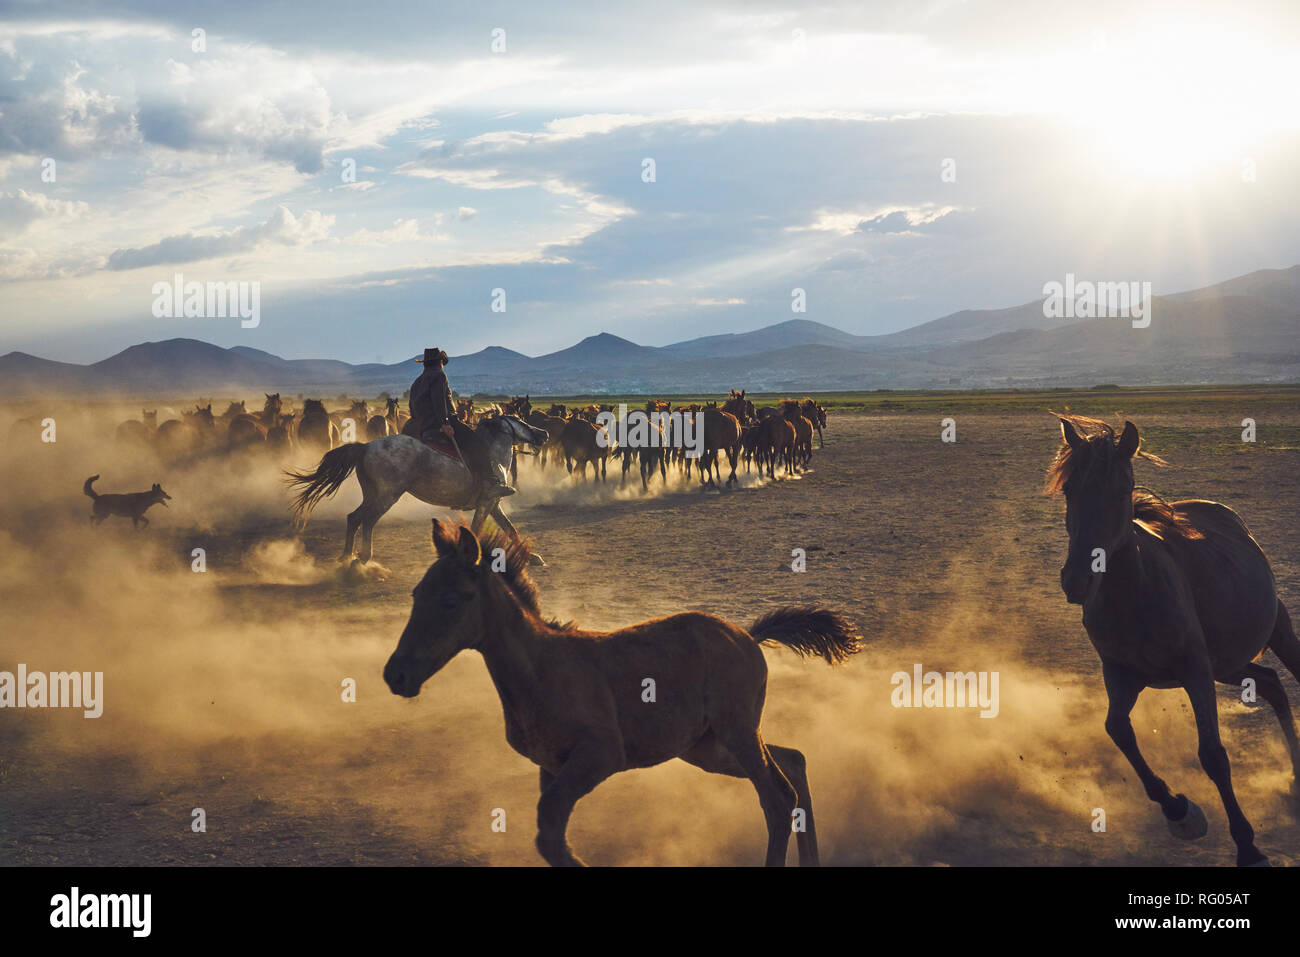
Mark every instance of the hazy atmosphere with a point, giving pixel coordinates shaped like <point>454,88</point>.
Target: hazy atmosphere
<point>698,434</point>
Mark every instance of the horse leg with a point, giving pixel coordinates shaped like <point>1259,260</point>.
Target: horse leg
<point>793,765</point>
<point>371,513</point>
<point>368,492</point>
<point>1271,690</point>
<point>1122,690</point>
<point>591,762</point>
<point>354,521</point>
<point>732,454</point>
<point>499,516</point>
<point>1214,759</point>
<point>1284,643</point>
<point>480,516</point>
<point>776,795</point>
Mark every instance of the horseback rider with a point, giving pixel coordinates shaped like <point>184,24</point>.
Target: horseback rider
<point>435,412</point>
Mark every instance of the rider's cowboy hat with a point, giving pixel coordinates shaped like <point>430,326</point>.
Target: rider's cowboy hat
<point>434,356</point>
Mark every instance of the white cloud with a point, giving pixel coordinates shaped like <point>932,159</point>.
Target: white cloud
<point>282,228</point>
<point>402,231</point>
<point>882,218</point>
<point>20,210</point>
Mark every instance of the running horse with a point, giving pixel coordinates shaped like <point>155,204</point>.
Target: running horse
<point>389,467</point>
<point>1174,595</point>
<point>575,701</point>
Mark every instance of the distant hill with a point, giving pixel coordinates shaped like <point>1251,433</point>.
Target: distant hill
<point>1245,329</point>
<point>783,335</point>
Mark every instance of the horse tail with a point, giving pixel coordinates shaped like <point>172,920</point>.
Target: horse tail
<point>334,468</point>
<point>809,631</point>
<point>86,489</point>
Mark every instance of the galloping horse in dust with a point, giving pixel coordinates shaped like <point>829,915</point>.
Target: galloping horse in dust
<point>391,466</point>
<point>1186,597</point>
<point>573,699</point>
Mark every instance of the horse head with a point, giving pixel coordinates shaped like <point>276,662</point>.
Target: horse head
<point>1094,469</point>
<point>509,431</point>
<point>450,605</point>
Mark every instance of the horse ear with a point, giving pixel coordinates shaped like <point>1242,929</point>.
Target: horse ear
<point>1071,436</point>
<point>444,542</point>
<point>1129,441</point>
<point>467,547</point>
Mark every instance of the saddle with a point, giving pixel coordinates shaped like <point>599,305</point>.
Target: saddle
<point>440,443</point>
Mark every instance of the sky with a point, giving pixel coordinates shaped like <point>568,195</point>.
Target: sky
<point>387,173</point>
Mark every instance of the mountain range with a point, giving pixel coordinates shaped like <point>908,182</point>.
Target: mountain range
<point>1242,330</point>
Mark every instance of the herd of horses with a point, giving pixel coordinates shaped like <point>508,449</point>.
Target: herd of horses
<point>1185,598</point>
<point>273,428</point>
<point>776,439</point>
<point>1173,595</point>
<point>766,437</point>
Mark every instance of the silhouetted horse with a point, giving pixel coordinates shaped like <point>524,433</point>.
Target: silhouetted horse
<point>1174,595</point>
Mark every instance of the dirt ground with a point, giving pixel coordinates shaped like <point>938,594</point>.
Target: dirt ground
<point>223,687</point>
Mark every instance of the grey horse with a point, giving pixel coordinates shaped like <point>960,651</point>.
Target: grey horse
<point>394,465</point>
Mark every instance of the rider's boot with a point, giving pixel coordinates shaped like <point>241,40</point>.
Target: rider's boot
<point>492,485</point>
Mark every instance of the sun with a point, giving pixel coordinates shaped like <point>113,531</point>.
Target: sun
<point>1178,103</point>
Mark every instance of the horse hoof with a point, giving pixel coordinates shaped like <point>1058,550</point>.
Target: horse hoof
<point>1192,825</point>
<point>1262,862</point>
<point>536,560</point>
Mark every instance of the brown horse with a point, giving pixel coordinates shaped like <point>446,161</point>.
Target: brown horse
<point>582,443</point>
<point>272,409</point>
<point>279,438</point>
<point>138,431</point>
<point>396,418</point>
<point>553,426</point>
<point>233,411</point>
<point>520,406</point>
<point>1174,595</point>
<point>245,432</point>
<point>316,430</point>
<point>721,433</point>
<point>377,427</point>
<point>815,414</point>
<point>739,406</point>
<point>775,443</point>
<point>803,430</point>
<point>466,413</point>
<point>585,705</point>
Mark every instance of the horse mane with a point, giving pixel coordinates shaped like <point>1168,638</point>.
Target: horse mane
<point>517,551</point>
<point>1149,507</point>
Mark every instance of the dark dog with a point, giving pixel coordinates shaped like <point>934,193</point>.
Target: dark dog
<point>132,506</point>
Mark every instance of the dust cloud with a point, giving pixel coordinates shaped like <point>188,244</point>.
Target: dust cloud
<point>226,687</point>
